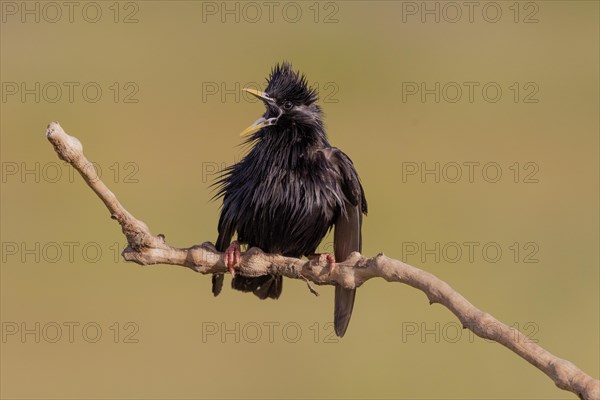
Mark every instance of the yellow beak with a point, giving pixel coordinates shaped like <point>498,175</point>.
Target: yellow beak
<point>257,93</point>
<point>257,125</point>
<point>261,122</point>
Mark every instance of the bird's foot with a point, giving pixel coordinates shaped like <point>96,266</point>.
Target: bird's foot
<point>319,257</point>
<point>232,256</point>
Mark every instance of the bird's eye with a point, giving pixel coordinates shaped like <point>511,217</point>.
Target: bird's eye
<point>287,105</point>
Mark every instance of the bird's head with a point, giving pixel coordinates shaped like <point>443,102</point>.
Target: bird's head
<point>290,103</point>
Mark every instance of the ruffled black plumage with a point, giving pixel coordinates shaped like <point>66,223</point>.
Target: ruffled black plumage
<point>290,189</point>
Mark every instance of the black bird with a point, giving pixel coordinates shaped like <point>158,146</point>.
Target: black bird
<point>290,190</point>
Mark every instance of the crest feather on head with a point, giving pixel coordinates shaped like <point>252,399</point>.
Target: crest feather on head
<point>286,84</point>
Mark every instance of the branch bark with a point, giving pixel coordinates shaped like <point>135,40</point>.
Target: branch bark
<point>146,249</point>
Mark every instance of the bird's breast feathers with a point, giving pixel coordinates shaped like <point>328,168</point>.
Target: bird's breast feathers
<point>286,210</point>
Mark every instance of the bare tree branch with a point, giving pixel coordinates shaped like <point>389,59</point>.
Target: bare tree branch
<point>146,249</point>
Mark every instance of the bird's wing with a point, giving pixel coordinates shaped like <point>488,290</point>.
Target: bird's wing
<point>347,235</point>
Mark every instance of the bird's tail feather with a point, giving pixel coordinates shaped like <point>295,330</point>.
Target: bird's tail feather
<point>347,238</point>
<point>344,303</point>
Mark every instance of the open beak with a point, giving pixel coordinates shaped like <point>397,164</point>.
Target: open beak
<point>261,122</point>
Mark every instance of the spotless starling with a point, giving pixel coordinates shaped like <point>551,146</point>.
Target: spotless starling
<point>289,190</point>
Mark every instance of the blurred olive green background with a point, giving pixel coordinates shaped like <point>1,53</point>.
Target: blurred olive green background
<point>159,155</point>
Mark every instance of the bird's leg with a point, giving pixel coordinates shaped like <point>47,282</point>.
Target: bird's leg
<point>319,256</point>
<point>232,256</point>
